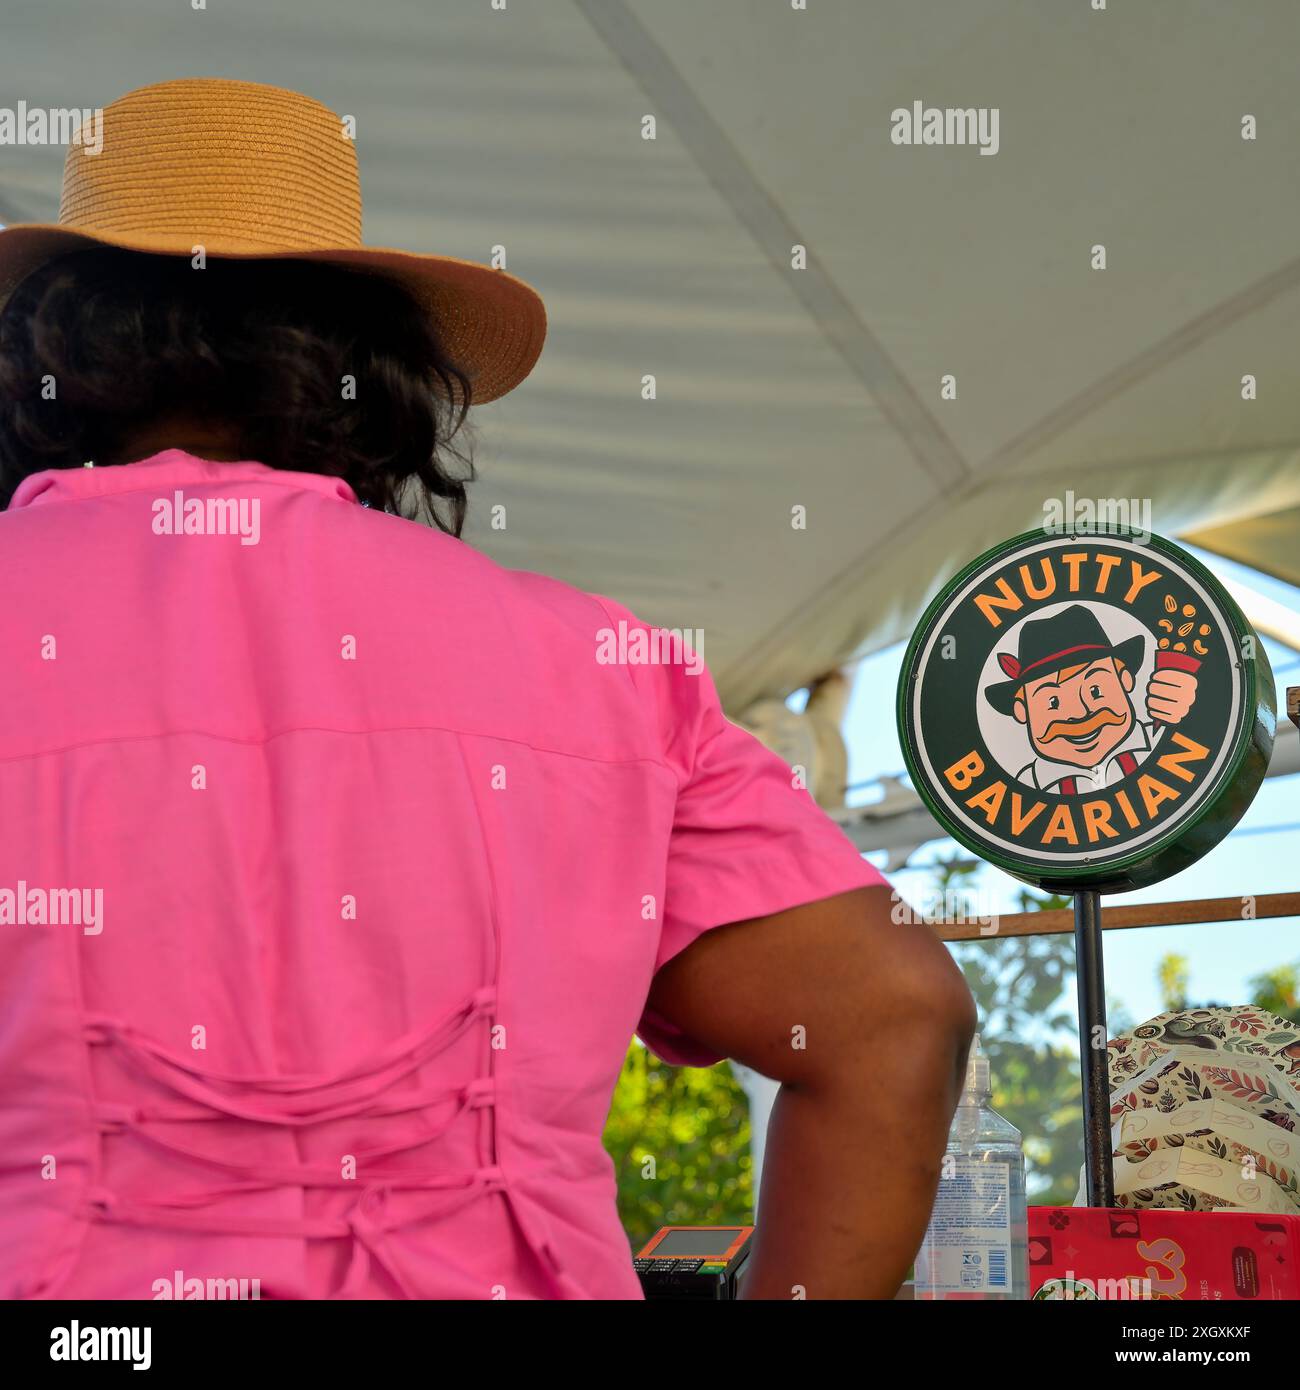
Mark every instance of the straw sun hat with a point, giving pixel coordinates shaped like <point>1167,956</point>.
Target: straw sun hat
<point>253,172</point>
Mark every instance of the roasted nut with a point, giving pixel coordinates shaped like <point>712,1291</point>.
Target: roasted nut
<point>1184,629</point>
<point>1170,605</point>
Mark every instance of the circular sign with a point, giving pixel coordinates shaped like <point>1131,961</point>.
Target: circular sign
<point>1088,710</point>
<point>1065,1291</point>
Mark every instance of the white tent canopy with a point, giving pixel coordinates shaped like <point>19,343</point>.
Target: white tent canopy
<point>815,388</point>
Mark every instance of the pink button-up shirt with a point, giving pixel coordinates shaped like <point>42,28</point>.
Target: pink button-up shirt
<point>335,864</point>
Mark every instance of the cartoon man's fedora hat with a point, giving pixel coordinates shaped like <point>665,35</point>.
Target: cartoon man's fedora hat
<point>251,172</point>
<point>1068,638</point>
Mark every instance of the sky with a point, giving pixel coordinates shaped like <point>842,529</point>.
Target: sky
<point>1261,855</point>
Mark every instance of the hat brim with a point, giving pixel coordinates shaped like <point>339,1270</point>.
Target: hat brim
<point>1001,695</point>
<point>492,324</point>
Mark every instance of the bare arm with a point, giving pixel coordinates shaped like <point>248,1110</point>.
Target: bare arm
<point>859,1127</point>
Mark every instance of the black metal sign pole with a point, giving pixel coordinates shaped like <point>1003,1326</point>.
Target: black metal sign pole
<point>1099,1175</point>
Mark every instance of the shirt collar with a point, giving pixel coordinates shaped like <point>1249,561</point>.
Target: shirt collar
<point>171,468</point>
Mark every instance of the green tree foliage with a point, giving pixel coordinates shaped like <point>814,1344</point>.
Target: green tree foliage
<point>679,1138</point>
<point>1172,974</point>
<point>1278,991</point>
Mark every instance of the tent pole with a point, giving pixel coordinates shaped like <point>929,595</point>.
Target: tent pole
<point>1091,977</point>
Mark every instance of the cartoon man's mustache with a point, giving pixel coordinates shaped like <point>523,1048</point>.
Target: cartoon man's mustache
<point>1080,728</point>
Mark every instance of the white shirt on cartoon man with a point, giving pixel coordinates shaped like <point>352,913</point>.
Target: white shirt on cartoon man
<point>1046,775</point>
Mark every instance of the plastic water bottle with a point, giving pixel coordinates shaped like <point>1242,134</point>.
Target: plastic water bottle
<point>976,1246</point>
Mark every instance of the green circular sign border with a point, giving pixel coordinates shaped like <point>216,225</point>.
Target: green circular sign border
<point>1190,839</point>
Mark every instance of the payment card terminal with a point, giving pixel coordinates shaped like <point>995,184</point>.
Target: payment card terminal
<point>694,1262</point>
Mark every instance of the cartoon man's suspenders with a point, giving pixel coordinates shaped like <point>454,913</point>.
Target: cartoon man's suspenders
<point>1127,764</point>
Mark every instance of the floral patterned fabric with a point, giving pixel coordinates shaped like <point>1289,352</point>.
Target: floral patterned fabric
<point>1222,1081</point>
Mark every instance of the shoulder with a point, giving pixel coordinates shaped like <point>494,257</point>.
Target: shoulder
<point>474,577</point>
<point>574,650</point>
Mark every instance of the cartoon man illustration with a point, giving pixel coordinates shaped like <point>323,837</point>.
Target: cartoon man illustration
<point>1071,688</point>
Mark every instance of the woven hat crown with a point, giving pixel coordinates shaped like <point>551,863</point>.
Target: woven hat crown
<point>233,166</point>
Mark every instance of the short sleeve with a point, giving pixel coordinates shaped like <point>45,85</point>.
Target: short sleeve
<point>745,842</point>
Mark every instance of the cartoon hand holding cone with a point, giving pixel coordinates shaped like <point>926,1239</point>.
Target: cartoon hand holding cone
<point>1171,691</point>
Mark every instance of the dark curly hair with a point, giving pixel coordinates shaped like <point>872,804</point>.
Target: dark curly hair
<point>118,340</point>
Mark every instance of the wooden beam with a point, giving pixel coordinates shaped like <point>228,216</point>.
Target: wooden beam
<point>1058,921</point>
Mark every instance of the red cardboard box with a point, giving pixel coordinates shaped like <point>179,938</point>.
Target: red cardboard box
<point>1114,1253</point>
